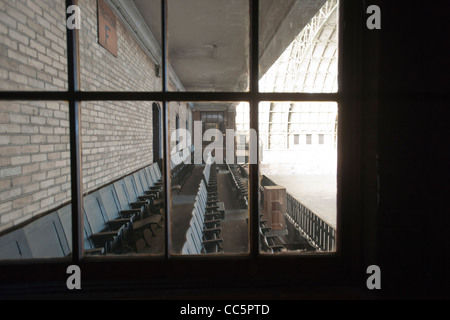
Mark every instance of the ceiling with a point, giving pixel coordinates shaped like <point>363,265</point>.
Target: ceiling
<point>309,63</point>
<point>209,39</point>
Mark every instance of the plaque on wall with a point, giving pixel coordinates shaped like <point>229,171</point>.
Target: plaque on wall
<point>107,27</point>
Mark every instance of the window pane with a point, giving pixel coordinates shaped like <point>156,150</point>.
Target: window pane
<point>298,178</point>
<point>209,44</point>
<point>122,178</point>
<point>33,46</point>
<point>209,179</point>
<point>119,50</point>
<point>321,138</point>
<point>35,193</point>
<point>298,46</point>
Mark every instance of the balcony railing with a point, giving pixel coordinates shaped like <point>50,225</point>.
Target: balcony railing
<point>313,228</point>
<point>319,233</point>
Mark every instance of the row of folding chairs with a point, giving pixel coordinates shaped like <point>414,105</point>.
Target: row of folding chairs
<point>210,174</point>
<point>203,234</point>
<point>208,189</point>
<point>112,212</point>
<point>114,216</point>
<point>180,169</point>
<point>270,242</point>
<point>240,188</point>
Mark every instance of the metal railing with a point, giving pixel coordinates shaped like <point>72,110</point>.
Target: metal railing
<point>319,233</point>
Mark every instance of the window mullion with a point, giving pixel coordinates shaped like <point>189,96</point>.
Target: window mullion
<point>165,114</point>
<point>254,94</point>
<point>73,67</point>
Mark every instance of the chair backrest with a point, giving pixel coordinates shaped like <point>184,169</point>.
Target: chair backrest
<point>187,248</point>
<point>199,213</point>
<point>157,170</point>
<point>139,186</point>
<point>206,173</point>
<point>193,241</point>
<point>145,182</point>
<point>150,172</point>
<point>200,201</point>
<point>208,158</point>
<point>131,188</point>
<point>197,230</point>
<point>94,213</point>
<point>65,216</point>
<point>199,222</point>
<point>110,202</point>
<point>122,194</point>
<point>87,243</point>
<point>175,160</point>
<point>202,193</point>
<point>152,180</point>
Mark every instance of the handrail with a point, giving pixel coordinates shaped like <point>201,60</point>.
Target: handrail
<point>318,233</point>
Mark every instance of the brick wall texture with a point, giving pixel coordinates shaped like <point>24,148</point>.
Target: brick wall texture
<point>116,136</point>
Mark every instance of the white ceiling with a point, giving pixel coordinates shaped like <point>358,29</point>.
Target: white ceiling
<point>209,39</point>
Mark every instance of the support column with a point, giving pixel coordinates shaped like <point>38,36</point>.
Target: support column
<point>275,209</point>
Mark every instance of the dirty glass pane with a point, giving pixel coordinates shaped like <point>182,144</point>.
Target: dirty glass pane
<point>35,193</point>
<point>33,47</point>
<point>123,205</point>
<point>298,160</point>
<point>119,48</point>
<point>209,178</point>
<point>298,45</point>
<point>209,44</point>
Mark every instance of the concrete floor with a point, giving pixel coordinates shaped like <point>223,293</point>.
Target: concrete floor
<point>234,226</point>
<point>316,192</point>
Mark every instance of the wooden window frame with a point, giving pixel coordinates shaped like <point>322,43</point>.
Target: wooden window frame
<point>149,275</point>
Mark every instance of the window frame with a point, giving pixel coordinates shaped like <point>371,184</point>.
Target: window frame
<point>210,273</point>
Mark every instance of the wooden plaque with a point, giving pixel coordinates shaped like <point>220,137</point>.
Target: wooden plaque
<point>107,27</point>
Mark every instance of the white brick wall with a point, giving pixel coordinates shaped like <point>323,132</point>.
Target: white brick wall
<point>32,57</point>
<point>33,153</point>
<point>34,135</point>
